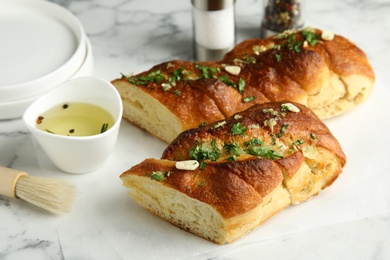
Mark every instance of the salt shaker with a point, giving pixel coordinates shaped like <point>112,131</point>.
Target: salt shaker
<point>214,28</point>
<point>281,15</point>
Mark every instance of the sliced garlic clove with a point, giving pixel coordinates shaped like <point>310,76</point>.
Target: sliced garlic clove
<point>290,107</point>
<point>327,35</point>
<point>234,70</point>
<point>187,165</point>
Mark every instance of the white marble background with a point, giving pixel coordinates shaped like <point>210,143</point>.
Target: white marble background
<point>131,36</point>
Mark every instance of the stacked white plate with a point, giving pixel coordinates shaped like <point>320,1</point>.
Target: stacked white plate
<point>42,45</point>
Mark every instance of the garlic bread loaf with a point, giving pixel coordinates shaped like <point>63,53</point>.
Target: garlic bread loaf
<point>325,72</point>
<point>222,180</point>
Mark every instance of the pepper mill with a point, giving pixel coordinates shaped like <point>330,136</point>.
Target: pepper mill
<point>214,28</point>
<point>281,15</point>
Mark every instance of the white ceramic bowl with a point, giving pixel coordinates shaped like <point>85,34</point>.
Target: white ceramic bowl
<point>77,154</point>
<point>42,45</point>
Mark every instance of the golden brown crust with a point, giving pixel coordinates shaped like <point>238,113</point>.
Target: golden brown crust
<point>265,80</point>
<point>331,78</point>
<point>341,55</point>
<point>250,169</point>
<point>260,173</point>
<point>228,99</point>
<point>303,126</point>
<point>291,164</point>
<point>190,115</point>
<point>346,58</point>
<point>219,187</point>
<point>231,187</point>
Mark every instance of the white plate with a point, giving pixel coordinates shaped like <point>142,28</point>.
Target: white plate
<point>15,109</point>
<point>42,45</point>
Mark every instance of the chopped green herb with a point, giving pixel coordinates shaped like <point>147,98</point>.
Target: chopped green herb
<point>207,71</point>
<point>282,130</point>
<point>283,109</point>
<point>104,128</point>
<point>202,165</point>
<point>264,151</point>
<point>245,60</point>
<point>241,85</point>
<point>312,136</point>
<point>154,76</point>
<point>220,124</point>
<point>233,148</point>
<point>310,37</point>
<point>292,44</point>
<point>284,34</point>
<point>205,152</point>
<point>277,47</point>
<point>270,111</point>
<point>177,75</point>
<point>216,151</point>
<point>202,124</point>
<point>157,175</point>
<point>251,60</point>
<point>297,142</point>
<point>232,158</point>
<point>226,80</point>
<point>277,57</point>
<point>238,129</point>
<point>273,139</point>
<point>177,92</point>
<point>254,141</point>
<point>249,99</point>
<point>202,184</point>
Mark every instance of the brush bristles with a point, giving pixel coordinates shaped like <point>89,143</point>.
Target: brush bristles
<point>53,195</point>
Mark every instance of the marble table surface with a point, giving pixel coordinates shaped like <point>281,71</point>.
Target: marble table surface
<point>133,35</point>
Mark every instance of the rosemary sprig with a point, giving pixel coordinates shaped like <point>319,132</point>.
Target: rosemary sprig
<point>104,128</point>
<point>47,130</point>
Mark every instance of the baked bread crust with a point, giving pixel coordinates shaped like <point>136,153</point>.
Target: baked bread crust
<point>253,165</point>
<point>331,78</point>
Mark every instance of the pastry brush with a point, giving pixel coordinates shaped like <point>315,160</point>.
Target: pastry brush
<point>55,196</point>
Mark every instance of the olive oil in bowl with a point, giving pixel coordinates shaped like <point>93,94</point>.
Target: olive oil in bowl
<point>75,119</point>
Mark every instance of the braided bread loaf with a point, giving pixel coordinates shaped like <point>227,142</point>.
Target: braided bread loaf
<point>329,75</point>
<point>238,172</point>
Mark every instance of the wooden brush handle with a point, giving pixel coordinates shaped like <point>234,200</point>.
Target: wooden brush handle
<point>8,180</point>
